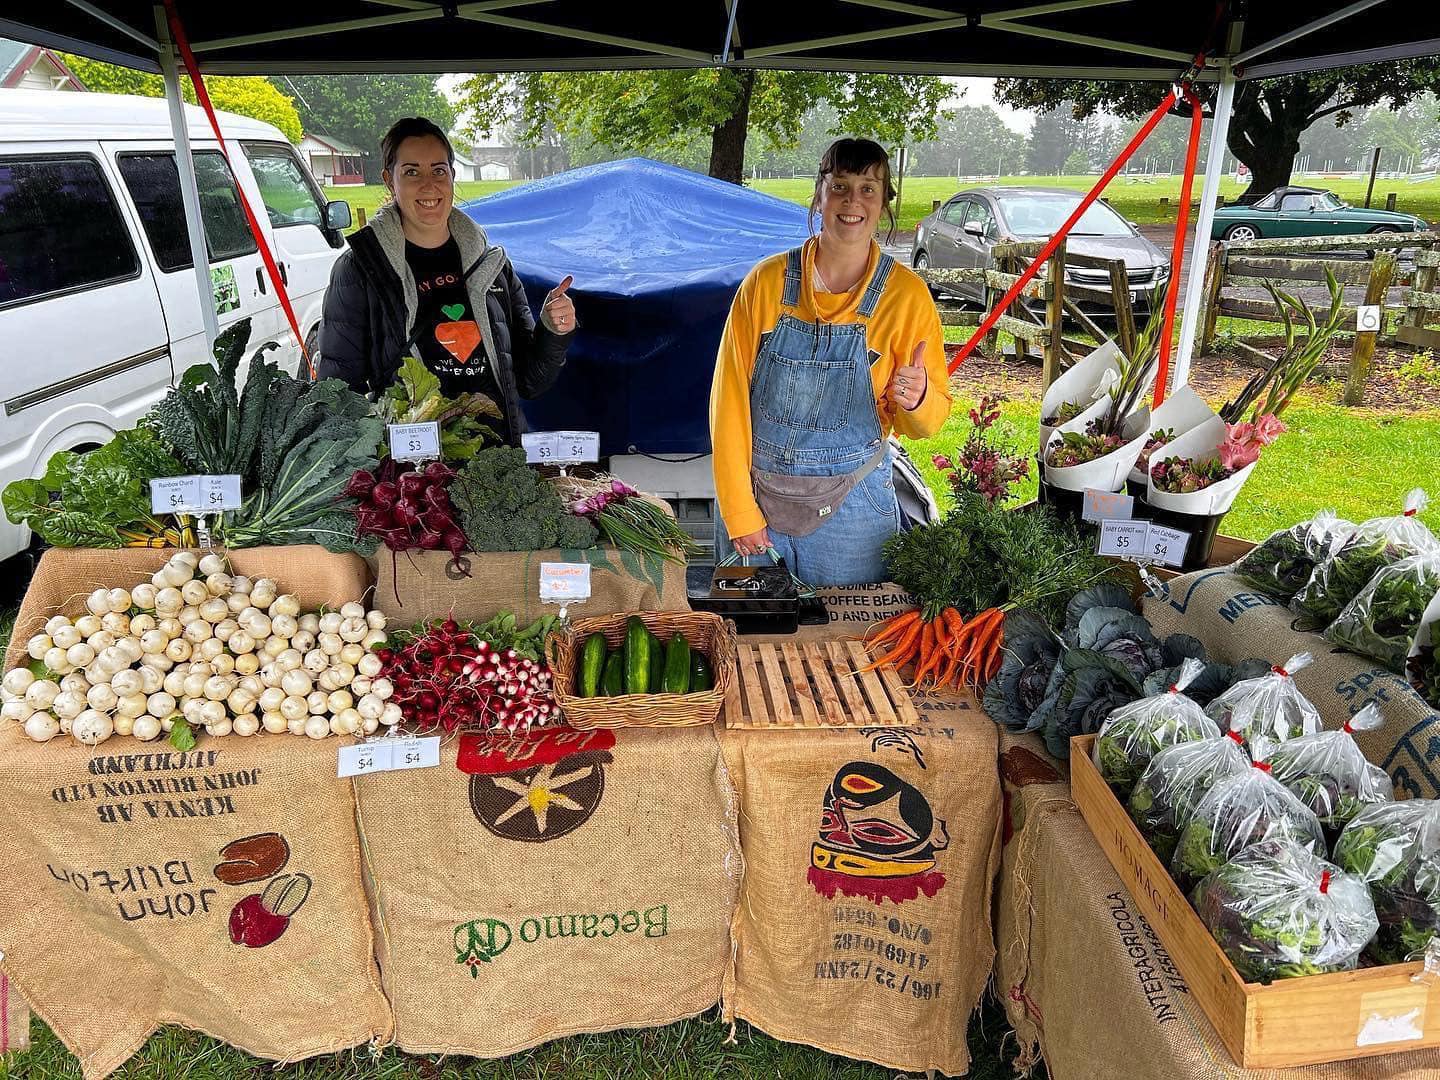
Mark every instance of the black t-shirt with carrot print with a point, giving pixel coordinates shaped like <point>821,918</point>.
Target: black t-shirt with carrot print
<point>447,337</point>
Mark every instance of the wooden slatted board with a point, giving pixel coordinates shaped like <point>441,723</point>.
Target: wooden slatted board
<point>814,685</point>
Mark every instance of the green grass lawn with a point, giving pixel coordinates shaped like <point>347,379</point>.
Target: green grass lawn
<point>1358,463</point>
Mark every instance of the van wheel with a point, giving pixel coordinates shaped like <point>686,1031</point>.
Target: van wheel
<point>312,348</point>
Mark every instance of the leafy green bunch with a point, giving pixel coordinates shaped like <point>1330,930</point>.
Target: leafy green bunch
<point>1176,779</point>
<point>1133,734</point>
<point>1330,774</point>
<point>415,398</point>
<point>1382,621</point>
<point>1281,565</point>
<point>1424,669</point>
<point>1395,849</point>
<point>1279,910</point>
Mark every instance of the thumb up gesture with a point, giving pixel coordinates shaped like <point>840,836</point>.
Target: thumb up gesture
<point>909,382</point>
<point>558,314</point>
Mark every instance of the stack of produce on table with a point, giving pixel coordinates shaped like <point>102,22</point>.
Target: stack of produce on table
<point>406,507</point>
<point>455,676</point>
<point>1395,849</point>
<point>1375,544</point>
<point>1174,782</point>
<point>643,664</point>
<point>1132,735</point>
<point>1105,657</point>
<point>626,519</point>
<point>1240,810</point>
<point>1328,772</point>
<point>197,647</point>
<point>1279,910</point>
<point>1281,565</point>
<point>1267,705</point>
<point>956,637</point>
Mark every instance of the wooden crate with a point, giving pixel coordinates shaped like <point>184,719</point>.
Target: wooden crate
<point>1302,1021</point>
<point>814,684</point>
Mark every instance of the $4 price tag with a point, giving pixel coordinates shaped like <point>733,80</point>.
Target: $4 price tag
<point>389,754</point>
<point>195,494</point>
<point>1143,541</point>
<point>414,442</point>
<point>553,447</point>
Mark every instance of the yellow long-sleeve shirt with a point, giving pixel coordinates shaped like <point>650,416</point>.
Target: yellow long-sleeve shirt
<point>905,316</point>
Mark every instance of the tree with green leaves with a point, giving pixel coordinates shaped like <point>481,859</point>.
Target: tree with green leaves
<point>247,95</point>
<point>1053,139</point>
<point>664,113</point>
<point>1270,114</point>
<point>971,140</point>
<point>359,109</point>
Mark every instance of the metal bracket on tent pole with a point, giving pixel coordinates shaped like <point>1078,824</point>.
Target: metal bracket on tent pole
<point>1214,166</point>
<point>189,188</point>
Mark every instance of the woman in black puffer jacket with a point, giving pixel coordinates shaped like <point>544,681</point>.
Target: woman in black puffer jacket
<point>422,279</point>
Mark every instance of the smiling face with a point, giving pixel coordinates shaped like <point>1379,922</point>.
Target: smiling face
<point>423,181</point>
<point>850,204</point>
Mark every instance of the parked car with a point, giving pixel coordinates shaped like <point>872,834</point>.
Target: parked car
<point>963,232</point>
<point>98,306</point>
<point>1306,211</point>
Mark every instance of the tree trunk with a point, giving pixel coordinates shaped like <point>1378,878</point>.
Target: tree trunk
<point>727,140</point>
<point>1266,137</point>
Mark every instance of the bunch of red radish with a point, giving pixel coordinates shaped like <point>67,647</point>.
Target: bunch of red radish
<point>449,677</point>
<point>407,507</point>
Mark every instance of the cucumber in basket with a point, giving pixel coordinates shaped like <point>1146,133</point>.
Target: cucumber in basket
<point>637,656</point>
<point>613,681</point>
<point>701,677</point>
<point>677,666</point>
<point>592,665</point>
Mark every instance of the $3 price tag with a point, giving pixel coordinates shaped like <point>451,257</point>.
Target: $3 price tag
<point>414,442</point>
<point>544,447</point>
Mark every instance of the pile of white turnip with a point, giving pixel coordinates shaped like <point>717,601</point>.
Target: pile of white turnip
<point>221,651</point>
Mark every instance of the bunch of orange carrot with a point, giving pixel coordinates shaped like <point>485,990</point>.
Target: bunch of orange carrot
<point>947,650</point>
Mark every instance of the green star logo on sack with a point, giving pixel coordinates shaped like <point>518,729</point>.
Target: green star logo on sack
<point>480,941</point>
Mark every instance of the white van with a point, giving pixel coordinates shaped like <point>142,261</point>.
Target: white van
<point>98,306</point>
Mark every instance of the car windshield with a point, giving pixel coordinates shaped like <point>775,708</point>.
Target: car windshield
<point>1329,201</point>
<point>1042,215</point>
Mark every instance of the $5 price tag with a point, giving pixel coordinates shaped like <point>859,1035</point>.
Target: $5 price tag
<point>1143,541</point>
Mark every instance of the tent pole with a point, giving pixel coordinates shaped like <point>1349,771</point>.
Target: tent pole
<point>1195,286</point>
<point>189,188</point>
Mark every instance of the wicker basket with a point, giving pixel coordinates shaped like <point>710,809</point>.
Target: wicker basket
<point>708,633</point>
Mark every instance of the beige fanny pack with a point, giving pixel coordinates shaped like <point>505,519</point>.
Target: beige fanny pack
<point>798,505</point>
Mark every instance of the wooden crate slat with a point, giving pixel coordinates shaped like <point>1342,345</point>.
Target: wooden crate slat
<point>1414,298</point>
<point>754,693</point>
<point>873,687</point>
<point>848,680</point>
<point>891,678</point>
<point>1422,336</point>
<point>800,686</point>
<point>831,711</point>
<point>775,680</point>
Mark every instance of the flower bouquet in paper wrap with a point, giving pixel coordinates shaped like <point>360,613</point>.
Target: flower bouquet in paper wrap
<point>1079,387</point>
<point>1183,411</point>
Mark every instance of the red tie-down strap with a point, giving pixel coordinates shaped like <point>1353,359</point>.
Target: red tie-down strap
<point>177,31</point>
<point>1177,253</point>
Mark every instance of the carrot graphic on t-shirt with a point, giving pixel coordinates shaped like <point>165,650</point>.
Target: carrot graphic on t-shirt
<point>459,337</point>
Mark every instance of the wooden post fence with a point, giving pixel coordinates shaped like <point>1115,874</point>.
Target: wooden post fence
<point>1055,317</point>
<point>1362,353</point>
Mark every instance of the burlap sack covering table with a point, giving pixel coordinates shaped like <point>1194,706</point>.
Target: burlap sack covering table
<point>66,576</point>
<point>1085,980</point>
<point>218,889</point>
<point>1236,623</point>
<point>415,585</point>
<point>529,889</point>
<point>864,925</point>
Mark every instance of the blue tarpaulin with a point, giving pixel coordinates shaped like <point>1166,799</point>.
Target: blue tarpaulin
<point>657,253</point>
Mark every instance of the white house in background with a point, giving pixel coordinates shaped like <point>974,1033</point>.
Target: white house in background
<point>31,67</point>
<point>464,167</point>
<point>332,162</point>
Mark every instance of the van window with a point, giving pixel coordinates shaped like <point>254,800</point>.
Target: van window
<point>289,198</point>
<point>154,185</point>
<point>60,229</point>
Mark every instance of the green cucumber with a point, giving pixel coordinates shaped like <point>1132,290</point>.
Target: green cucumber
<point>657,664</point>
<point>701,677</point>
<point>613,681</point>
<point>637,656</point>
<point>592,665</point>
<point>677,666</point>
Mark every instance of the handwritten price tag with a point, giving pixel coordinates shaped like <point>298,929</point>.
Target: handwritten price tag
<point>1107,506</point>
<point>1124,539</point>
<point>1167,546</point>
<point>414,442</point>
<point>564,582</point>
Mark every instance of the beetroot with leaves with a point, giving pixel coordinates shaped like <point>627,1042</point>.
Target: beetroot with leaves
<point>407,508</point>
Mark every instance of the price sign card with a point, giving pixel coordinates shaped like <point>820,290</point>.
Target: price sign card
<point>414,442</point>
<point>389,754</point>
<point>1167,546</point>
<point>364,758</point>
<point>1124,539</point>
<point>417,752</point>
<point>1107,506</point>
<point>175,495</point>
<point>564,582</point>
<point>540,447</point>
<point>219,493</point>
<point>545,447</point>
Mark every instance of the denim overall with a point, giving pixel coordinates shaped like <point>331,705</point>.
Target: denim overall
<point>813,413</point>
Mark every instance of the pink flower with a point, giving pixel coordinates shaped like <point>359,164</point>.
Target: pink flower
<point>940,461</point>
<point>1268,428</point>
<point>1240,433</point>
<point>1236,455</point>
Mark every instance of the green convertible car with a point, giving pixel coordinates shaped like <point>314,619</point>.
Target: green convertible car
<point>1304,211</point>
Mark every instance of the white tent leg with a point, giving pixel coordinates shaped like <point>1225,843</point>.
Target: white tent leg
<point>189,188</point>
<point>1214,170</point>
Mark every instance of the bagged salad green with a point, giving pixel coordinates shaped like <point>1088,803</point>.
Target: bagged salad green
<point>1377,543</point>
<point>1238,811</point>
<point>1395,849</point>
<point>1175,780</point>
<point>1279,910</point>
<point>1131,735</point>
<point>1382,621</point>
<point>1269,706</point>
<point>1281,565</point>
<point>1328,772</point>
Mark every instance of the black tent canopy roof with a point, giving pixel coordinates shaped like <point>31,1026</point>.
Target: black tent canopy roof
<point>1117,39</point>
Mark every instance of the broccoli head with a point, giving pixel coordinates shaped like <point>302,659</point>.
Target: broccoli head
<point>506,505</point>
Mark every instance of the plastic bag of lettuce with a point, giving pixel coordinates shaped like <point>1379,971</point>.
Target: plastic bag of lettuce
<point>1176,779</point>
<point>1329,773</point>
<point>1132,735</point>
<point>1281,565</point>
<point>1395,849</point>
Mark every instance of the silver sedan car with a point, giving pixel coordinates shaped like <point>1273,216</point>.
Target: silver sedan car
<point>963,232</point>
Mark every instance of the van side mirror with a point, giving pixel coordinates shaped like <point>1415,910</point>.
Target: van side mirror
<point>337,214</point>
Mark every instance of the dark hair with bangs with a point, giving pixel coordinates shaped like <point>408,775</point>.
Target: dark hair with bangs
<point>410,127</point>
<point>849,155</point>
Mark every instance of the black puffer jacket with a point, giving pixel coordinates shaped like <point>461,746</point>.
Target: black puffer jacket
<point>370,307</point>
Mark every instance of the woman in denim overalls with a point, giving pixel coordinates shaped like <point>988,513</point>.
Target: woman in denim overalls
<point>827,349</point>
